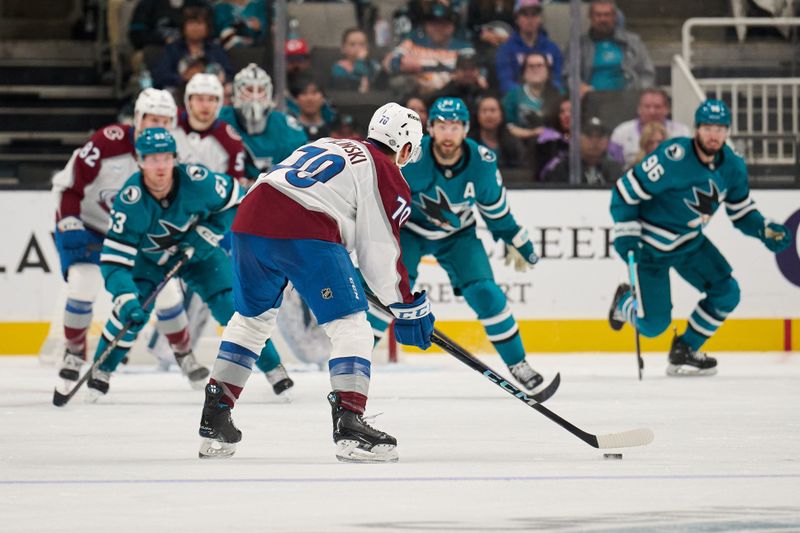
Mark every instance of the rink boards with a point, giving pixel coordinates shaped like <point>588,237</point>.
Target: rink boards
<point>561,305</point>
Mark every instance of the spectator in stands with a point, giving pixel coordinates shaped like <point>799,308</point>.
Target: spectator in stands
<point>240,22</point>
<point>553,142</point>
<point>415,103</point>
<point>653,134</point>
<point>158,22</point>
<point>195,42</point>
<point>310,102</point>
<point>355,71</point>
<point>527,104</point>
<point>530,37</point>
<point>298,59</point>
<point>612,58</point>
<point>418,12</point>
<point>491,23</point>
<point>597,167</point>
<point>467,82</point>
<point>426,60</point>
<point>653,107</point>
<point>491,131</point>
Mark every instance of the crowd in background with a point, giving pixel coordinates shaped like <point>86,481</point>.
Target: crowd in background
<point>494,54</point>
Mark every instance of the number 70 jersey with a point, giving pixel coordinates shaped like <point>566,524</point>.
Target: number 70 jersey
<point>342,191</point>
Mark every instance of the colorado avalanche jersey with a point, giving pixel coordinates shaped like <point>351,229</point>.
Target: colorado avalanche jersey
<point>281,136</point>
<point>672,195</point>
<point>144,228</point>
<point>219,148</point>
<point>443,197</point>
<point>86,187</point>
<point>342,191</point>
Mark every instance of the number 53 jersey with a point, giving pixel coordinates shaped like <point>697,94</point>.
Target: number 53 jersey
<point>341,191</point>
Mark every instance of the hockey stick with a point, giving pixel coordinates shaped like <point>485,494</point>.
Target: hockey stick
<point>60,399</point>
<point>633,275</point>
<point>625,439</point>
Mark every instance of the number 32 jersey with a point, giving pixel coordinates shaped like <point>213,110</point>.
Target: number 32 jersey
<point>342,191</point>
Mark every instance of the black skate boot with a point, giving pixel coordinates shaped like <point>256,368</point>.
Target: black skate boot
<point>216,426</point>
<point>526,376</point>
<point>684,361</point>
<point>71,365</point>
<point>356,441</point>
<point>97,386</point>
<point>196,373</point>
<point>616,319</point>
<point>280,381</point>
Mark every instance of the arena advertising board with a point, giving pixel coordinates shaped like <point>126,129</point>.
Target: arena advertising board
<point>561,304</point>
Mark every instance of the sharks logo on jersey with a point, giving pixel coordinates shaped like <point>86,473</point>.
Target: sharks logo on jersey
<point>705,204</point>
<point>443,213</point>
<point>166,241</point>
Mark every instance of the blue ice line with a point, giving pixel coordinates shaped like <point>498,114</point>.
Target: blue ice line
<point>393,479</point>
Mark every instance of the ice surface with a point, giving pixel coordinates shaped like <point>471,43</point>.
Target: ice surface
<point>472,458</point>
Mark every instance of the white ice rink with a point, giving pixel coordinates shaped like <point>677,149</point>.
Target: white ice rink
<point>472,458</point>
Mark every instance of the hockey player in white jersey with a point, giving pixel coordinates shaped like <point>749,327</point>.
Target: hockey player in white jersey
<point>85,190</point>
<point>298,223</point>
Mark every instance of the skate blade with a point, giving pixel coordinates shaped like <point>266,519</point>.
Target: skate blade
<point>347,451</point>
<point>198,384</point>
<point>214,449</point>
<point>689,371</point>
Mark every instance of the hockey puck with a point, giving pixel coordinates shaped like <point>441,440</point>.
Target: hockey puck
<point>612,456</point>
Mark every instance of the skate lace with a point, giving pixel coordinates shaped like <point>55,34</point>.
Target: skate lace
<point>367,420</point>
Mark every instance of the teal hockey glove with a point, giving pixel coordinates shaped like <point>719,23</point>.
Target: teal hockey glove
<point>128,308</point>
<point>520,252</point>
<point>776,237</point>
<point>203,240</point>
<point>627,237</point>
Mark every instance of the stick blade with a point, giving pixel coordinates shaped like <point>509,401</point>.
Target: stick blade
<point>626,439</point>
<point>59,400</point>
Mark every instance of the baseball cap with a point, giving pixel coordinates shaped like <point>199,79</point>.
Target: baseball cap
<point>532,5</point>
<point>595,126</point>
<point>296,49</point>
<point>439,11</point>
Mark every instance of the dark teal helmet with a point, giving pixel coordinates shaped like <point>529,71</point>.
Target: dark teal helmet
<point>449,108</point>
<point>712,112</point>
<point>155,141</point>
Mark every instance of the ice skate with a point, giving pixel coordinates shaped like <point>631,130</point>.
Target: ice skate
<point>71,366</point>
<point>529,378</point>
<point>97,386</point>
<point>216,427</point>
<point>196,373</point>
<point>356,441</point>
<point>616,318</point>
<point>280,381</point>
<point>684,361</point>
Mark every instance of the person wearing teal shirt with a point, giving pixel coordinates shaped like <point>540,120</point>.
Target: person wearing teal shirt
<point>269,136</point>
<point>660,208</point>
<point>240,22</point>
<point>453,175</point>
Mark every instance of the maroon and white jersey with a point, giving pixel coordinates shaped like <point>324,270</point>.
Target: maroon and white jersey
<point>86,187</point>
<point>337,190</point>
<point>219,148</point>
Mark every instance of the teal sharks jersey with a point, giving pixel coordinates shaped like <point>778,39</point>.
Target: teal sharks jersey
<point>443,197</point>
<point>671,195</point>
<point>281,136</point>
<point>144,228</point>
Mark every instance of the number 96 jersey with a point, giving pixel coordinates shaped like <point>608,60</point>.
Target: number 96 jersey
<point>341,191</point>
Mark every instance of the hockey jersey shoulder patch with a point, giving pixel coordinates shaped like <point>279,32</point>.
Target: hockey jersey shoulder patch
<point>486,154</point>
<point>675,152</point>
<point>130,194</point>
<point>114,133</point>
<point>232,133</point>
<point>197,172</point>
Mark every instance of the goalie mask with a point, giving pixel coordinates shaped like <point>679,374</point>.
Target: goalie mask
<point>252,98</point>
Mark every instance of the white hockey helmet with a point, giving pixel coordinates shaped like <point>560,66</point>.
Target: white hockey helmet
<point>395,126</point>
<point>252,97</point>
<point>154,102</point>
<point>202,83</point>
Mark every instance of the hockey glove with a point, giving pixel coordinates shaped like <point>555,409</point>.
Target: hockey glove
<point>128,308</point>
<point>520,252</point>
<point>628,237</point>
<point>72,242</point>
<point>414,322</point>
<point>776,237</point>
<point>203,240</point>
